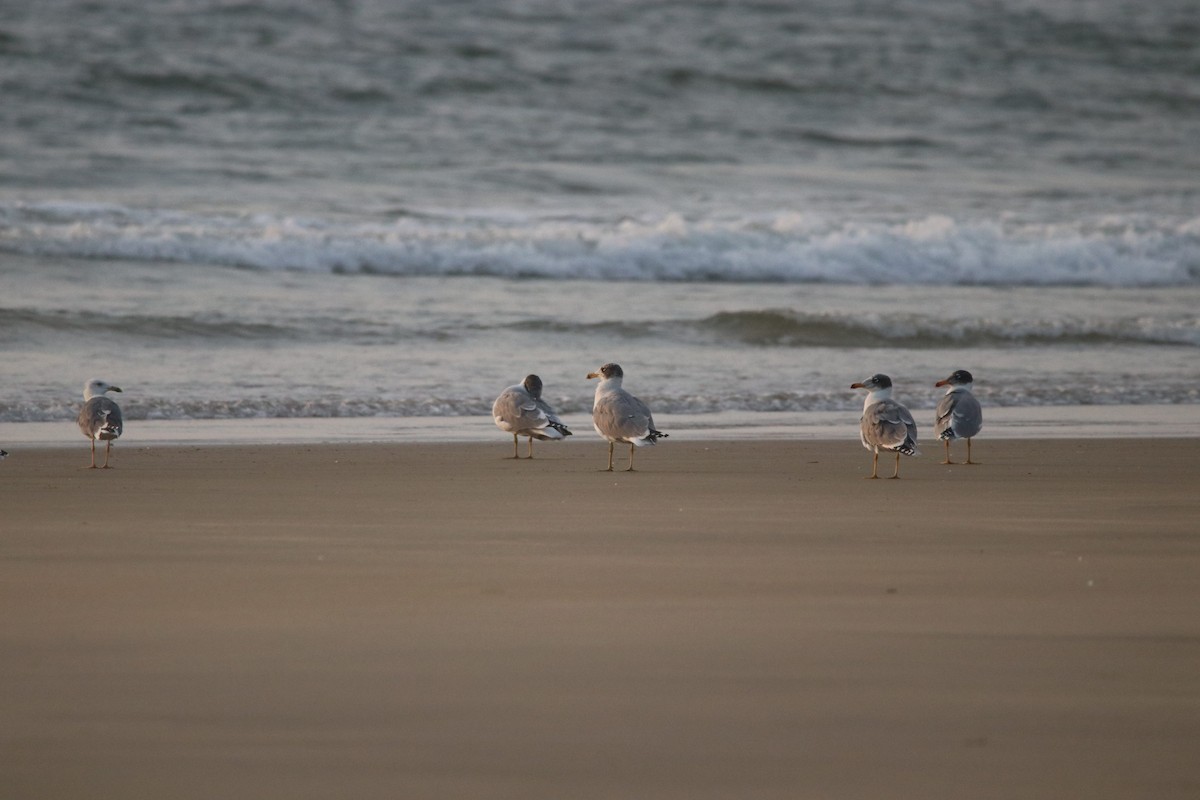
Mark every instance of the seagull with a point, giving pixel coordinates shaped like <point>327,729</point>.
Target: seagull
<point>885,423</point>
<point>958,413</point>
<point>619,416</point>
<point>100,418</point>
<point>521,411</point>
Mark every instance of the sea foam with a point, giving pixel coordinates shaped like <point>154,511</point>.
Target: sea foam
<point>789,247</point>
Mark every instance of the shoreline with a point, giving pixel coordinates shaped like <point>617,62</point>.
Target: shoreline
<point>1097,421</point>
<point>735,619</point>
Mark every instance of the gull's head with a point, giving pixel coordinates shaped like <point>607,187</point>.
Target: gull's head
<point>960,377</point>
<point>609,370</point>
<point>96,387</point>
<point>875,383</point>
<point>533,385</point>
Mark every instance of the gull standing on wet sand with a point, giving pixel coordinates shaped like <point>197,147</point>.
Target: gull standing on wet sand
<point>520,410</point>
<point>100,418</point>
<point>958,413</point>
<point>619,416</point>
<point>885,423</point>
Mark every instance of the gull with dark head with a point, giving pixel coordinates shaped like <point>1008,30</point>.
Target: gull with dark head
<point>619,416</point>
<point>521,411</point>
<point>885,423</point>
<point>100,417</point>
<point>958,413</point>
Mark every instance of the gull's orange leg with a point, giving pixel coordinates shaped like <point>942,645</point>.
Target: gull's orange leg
<point>874,465</point>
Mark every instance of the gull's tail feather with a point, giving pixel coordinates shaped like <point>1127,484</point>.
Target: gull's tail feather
<point>109,429</point>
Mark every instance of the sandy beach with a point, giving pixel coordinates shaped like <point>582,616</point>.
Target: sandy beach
<point>734,620</point>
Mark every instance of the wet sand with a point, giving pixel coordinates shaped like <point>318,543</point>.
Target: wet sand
<point>734,620</point>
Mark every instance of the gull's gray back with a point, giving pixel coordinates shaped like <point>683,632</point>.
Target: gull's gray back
<point>959,416</point>
<point>621,417</point>
<point>518,410</point>
<point>888,424</point>
<point>100,414</point>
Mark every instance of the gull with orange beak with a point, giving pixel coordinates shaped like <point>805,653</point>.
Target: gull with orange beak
<point>885,423</point>
<point>958,413</point>
<point>619,416</point>
<point>100,418</point>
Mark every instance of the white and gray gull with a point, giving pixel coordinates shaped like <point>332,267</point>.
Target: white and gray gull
<point>618,416</point>
<point>100,417</point>
<point>958,413</point>
<point>521,411</point>
<point>885,423</point>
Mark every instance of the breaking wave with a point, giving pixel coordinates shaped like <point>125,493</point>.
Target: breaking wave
<point>753,328</point>
<point>785,248</point>
<point>792,329</point>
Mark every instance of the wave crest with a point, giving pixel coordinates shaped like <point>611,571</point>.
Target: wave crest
<point>797,329</point>
<point>786,248</point>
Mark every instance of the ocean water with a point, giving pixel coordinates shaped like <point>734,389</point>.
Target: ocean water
<point>382,210</point>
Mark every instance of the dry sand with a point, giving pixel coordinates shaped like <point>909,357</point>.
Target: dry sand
<point>735,620</point>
